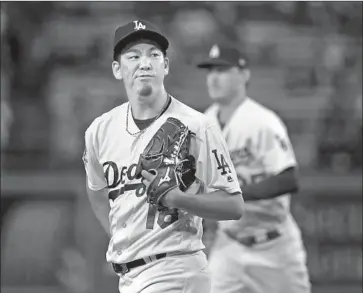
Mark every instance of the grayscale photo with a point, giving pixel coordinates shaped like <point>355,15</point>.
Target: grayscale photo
<point>181,147</point>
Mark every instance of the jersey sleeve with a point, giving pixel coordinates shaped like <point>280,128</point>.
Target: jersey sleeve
<point>214,165</point>
<point>275,150</point>
<point>94,171</point>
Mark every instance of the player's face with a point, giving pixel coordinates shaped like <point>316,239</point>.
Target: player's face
<point>142,67</point>
<point>223,83</point>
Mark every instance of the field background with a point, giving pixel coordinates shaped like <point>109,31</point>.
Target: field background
<point>56,78</point>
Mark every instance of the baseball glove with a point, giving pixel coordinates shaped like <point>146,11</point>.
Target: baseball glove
<point>167,156</point>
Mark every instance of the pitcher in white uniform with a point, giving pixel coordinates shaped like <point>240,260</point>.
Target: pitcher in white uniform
<point>154,251</point>
<point>263,251</point>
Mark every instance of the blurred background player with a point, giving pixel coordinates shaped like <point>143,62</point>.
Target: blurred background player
<point>263,251</point>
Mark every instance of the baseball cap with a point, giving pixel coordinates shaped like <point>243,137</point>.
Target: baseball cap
<point>135,30</point>
<point>223,55</point>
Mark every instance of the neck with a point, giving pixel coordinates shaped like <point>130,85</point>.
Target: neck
<point>226,110</point>
<point>148,107</point>
<point>232,104</point>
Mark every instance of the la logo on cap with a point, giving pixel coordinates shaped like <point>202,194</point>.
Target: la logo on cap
<point>138,25</point>
<point>241,62</point>
<point>214,52</point>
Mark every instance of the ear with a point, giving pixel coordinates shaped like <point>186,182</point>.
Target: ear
<point>116,69</point>
<point>166,65</point>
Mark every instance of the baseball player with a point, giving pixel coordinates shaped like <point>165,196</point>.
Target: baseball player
<point>155,250</point>
<point>263,251</point>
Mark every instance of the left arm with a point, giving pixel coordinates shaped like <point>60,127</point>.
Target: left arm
<point>276,154</point>
<point>218,205</point>
<point>274,186</point>
<point>221,199</point>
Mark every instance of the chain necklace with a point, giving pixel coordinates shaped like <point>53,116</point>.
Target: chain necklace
<point>156,118</point>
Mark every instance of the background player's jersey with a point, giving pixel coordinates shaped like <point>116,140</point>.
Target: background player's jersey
<point>259,147</point>
<point>138,230</point>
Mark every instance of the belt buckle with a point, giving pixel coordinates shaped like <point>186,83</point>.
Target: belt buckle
<point>124,269</point>
<point>120,268</point>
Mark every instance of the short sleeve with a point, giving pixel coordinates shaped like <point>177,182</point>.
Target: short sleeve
<point>214,165</point>
<point>94,170</point>
<point>275,150</point>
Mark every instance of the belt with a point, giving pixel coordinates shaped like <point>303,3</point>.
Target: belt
<point>126,267</point>
<point>250,241</point>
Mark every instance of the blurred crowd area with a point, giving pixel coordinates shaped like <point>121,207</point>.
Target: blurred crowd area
<point>56,71</point>
<point>306,62</point>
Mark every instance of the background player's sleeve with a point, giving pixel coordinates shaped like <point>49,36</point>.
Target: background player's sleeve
<point>94,171</point>
<point>275,150</point>
<point>214,165</point>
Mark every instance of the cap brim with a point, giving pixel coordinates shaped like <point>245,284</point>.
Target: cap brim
<point>214,62</point>
<point>141,34</point>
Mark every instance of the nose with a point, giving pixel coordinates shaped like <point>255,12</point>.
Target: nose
<point>212,78</point>
<point>145,63</point>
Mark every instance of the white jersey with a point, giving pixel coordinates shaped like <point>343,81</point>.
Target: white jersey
<point>137,229</point>
<point>259,147</point>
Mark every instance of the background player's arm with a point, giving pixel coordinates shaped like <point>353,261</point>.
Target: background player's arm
<point>276,153</point>
<point>271,187</point>
<point>101,207</point>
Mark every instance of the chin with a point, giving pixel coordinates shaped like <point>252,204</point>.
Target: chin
<point>218,99</point>
<point>145,90</point>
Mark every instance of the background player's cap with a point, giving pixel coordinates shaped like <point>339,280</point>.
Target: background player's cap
<point>220,55</point>
<point>135,30</point>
